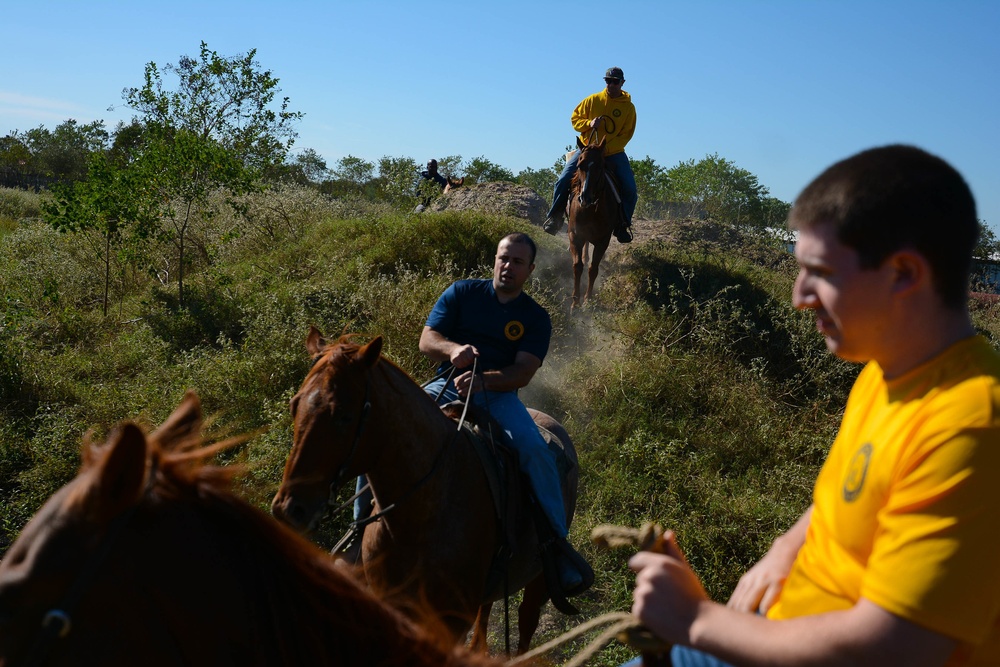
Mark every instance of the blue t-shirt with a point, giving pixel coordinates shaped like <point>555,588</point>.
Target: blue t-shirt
<point>469,313</point>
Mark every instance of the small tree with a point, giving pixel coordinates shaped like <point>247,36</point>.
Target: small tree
<point>721,188</point>
<point>541,181</point>
<point>216,130</point>
<point>15,156</point>
<point>652,185</point>
<point>396,181</point>
<point>307,167</point>
<point>63,153</point>
<point>450,166</point>
<point>112,201</point>
<point>988,246</point>
<point>481,170</point>
<point>351,175</point>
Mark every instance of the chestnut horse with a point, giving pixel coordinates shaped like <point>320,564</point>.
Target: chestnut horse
<point>358,413</point>
<point>593,210</point>
<point>146,557</point>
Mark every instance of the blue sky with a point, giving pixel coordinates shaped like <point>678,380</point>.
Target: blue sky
<point>782,88</point>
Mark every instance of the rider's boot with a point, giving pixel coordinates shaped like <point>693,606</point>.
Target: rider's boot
<point>575,573</point>
<point>553,224</point>
<point>623,231</point>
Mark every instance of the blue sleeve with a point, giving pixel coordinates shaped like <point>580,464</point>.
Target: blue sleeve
<point>536,341</point>
<point>444,315</point>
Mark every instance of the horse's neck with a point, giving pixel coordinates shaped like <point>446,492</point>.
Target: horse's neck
<point>413,428</point>
<point>276,600</point>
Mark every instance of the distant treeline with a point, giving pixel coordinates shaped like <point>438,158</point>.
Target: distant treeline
<point>13,178</point>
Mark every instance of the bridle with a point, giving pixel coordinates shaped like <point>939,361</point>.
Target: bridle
<point>341,474</point>
<point>57,622</point>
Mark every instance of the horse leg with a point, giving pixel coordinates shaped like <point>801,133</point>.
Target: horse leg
<point>478,641</point>
<point>577,254</point>
<point>595,263</point>
<point>535,596</point>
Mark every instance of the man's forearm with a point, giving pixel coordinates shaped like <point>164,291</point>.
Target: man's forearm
<point>862,635</point>
<point>511,378</point>
<point>436,346</point>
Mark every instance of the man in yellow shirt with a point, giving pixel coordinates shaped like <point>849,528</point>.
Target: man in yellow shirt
<point>896,560</point>
<point>608,115</point>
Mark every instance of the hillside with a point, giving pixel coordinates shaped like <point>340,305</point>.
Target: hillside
<point>696,396</point>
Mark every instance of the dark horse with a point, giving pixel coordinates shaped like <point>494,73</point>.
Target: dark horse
<point>593,212</point>
<point>358,413</point>
<point>147,558</point>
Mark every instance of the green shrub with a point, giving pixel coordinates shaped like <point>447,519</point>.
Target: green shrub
<point>17,204</point>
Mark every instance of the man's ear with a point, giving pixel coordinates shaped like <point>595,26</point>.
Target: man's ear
<point>910,271</point>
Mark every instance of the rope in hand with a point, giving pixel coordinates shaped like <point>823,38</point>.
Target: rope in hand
<point>624,626</point>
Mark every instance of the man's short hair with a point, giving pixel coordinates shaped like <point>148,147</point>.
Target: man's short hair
<point>519,237</point>
<point>885,199</point>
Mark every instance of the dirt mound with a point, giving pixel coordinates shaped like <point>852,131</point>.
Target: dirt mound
<point>497,197</point>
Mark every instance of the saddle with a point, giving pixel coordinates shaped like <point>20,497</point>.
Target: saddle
<point>512,496</point>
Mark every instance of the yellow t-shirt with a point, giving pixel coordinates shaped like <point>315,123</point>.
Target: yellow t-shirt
<point>906,510</point>
<point>619,120</point>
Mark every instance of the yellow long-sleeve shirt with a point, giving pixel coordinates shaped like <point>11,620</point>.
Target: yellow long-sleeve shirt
<point>619,120</point>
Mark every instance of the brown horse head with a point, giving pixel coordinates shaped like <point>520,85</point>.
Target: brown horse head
<point>329,414</point>
<point>454,183</point>
<point>588,182</point>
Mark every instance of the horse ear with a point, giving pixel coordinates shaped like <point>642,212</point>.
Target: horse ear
<point>371,352</point>
<point>183,424</point>
<point>120,475</point>
<point>460,181</point>
<point>579,143</point>
<point>314,341</point>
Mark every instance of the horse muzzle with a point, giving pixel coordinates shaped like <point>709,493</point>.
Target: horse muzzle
<point>296,513</point>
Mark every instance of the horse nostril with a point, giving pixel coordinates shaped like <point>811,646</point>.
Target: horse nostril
<point>292,514</point>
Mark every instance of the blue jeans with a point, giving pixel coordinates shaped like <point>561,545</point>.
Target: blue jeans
<point>619,165</point>
<point>560,194</point>
<point>682,656</point>
<point>537,461</point>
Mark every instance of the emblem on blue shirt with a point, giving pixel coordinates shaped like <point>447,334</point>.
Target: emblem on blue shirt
<point>514,330</point>
<point>856,473</point>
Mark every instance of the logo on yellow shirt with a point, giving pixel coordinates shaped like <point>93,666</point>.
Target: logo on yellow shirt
<point>514,330</point>
<point>856,472</point>
<point>616,113</point>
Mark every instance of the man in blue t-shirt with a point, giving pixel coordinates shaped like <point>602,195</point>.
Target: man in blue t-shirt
<point>506,333</point>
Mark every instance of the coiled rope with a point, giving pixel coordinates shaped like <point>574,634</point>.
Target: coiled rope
<point>623,625</point>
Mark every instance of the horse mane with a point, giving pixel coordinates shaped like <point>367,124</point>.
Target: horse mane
<point>312,609</point>
<point>340,352</point>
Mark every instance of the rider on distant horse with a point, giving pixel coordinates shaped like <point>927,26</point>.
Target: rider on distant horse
<point>611,114</point>
<point>495,323</point>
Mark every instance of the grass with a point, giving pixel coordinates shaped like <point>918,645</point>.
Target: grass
<point>695,395</point>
